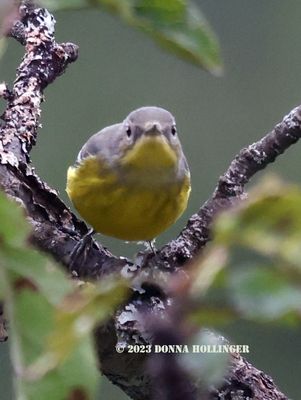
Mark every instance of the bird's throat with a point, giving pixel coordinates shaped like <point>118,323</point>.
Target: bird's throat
<point>150,154</point>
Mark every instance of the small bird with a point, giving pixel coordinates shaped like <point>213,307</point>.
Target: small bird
<point>131,180</point>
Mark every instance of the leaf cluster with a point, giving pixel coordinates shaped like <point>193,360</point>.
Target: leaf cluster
<point>252,270</point>
<point>51,317</point>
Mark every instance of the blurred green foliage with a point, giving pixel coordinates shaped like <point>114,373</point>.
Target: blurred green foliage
<point>177,25</point>
<point>51,318</point>
<point>266,289</point>
<point>208,368</point>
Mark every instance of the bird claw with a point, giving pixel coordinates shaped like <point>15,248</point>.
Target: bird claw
<point>79,247</point>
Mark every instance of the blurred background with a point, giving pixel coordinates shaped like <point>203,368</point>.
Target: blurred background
<point>120,69</point>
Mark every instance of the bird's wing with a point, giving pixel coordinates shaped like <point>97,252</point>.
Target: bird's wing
<point>102,144</point>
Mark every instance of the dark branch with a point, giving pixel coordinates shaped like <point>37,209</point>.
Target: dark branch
<point>18,32</point>
<point>57,231</point>
<point>3,330</point>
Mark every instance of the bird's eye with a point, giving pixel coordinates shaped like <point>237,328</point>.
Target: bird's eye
<point>128,131</point>
<point>173,130</point>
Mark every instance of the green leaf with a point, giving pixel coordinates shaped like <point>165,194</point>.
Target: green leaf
<point>262,293</point>
<point>51,318</point>
<point>39,271</point>
<point>75,377</point>
<point>205,269</point>
<point>24,262</point>
<point>252,268</point>
<point>34,322</point>
<point>176,25</point>
<point>269,222</point>
<point>13,228</point>
<point>81,312</point>
<point>56,344</point>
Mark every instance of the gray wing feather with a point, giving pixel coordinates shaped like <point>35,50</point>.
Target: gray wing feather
<point>102,144</point>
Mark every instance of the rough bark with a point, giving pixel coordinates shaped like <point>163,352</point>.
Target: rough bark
<point>57,231</point>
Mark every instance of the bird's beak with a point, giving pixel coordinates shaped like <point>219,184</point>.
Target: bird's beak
<point>153,128</point>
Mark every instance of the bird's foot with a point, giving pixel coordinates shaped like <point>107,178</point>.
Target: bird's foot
<point>80,246</point>
<point>150,245</point>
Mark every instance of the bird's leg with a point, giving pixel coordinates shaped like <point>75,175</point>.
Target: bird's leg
<point>150,249</point>
<point>80,246</point>
<point>150,244</point>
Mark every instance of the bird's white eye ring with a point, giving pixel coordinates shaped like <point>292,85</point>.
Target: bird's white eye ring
<point>128,131</point>
<point>173,130</point>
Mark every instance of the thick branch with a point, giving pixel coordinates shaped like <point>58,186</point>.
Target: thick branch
<point>57,231</point>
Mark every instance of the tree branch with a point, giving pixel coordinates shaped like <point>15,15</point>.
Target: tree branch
<point>231,188</point>
<point>57,231</point>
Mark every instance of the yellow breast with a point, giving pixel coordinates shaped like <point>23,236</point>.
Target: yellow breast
<point>127,206</point>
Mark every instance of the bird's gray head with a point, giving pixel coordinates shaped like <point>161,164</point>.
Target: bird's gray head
<point>151,121</point>
<point>146,140</point>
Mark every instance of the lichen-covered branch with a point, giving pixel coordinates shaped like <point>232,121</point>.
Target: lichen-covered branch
<point>57,231</point>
